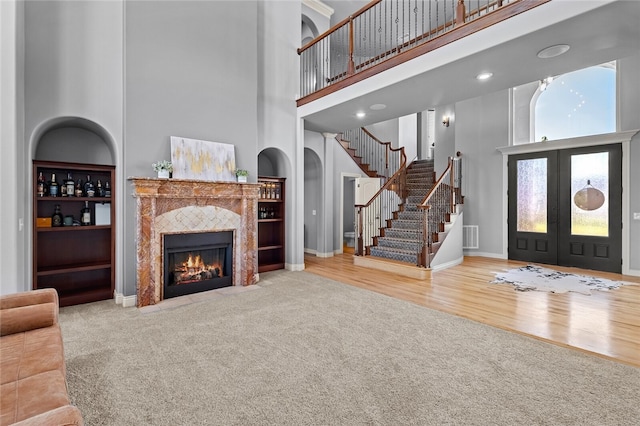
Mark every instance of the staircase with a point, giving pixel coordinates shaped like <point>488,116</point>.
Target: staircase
<point>407,220</point>
<point>353,153</point>
<point>401,239</point>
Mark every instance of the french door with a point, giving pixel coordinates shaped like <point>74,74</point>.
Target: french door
<point>565,207</point>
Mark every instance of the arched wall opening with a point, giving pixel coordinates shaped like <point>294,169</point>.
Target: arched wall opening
<point>313,209</point>
<point>73,140</point>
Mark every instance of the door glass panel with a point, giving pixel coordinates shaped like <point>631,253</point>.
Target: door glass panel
<point>532,195</point>
<point>590,194</point>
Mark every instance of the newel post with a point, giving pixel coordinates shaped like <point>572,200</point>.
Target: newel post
<point>460,12</point>
<point>351,67</point>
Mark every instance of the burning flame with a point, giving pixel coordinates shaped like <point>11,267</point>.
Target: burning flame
<point>195,269</point>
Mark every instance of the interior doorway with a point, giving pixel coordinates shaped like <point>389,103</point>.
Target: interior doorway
<point>565,207</point>
<point>348,212</point>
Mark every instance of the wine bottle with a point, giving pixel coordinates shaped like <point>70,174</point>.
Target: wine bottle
<point>107,189</point>
<point>85,215</point>
<point>56,217</point>
<point>99,189</point>
<point>89,189</point>
<point>79,188</point>
<point>40,185</point>
<point>71,185</point>
<point>53,186</point>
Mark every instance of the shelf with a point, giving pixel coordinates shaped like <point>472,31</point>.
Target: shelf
<point>65,269</point>
<point>72,228</point>
<point>77,261</point>
<point>270,247</point>
<point>271,229</point>
<point>83,295</point>
<point>270,267</point>
<point>68,199</point>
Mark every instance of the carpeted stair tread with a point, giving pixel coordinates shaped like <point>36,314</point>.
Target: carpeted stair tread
<point>402,256</point>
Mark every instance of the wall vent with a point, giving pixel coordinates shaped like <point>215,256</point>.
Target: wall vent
<point>470,237</point>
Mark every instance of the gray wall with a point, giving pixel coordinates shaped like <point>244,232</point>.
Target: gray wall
<point>481,125</point>
<point>629,119</point>
<point>191,70</point>
<point>72,68</point>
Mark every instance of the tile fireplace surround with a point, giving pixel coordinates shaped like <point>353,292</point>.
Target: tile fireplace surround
<point>174,206</point>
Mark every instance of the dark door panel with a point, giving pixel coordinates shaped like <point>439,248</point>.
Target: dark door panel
<point>565,207</point>
<point>533,219</point>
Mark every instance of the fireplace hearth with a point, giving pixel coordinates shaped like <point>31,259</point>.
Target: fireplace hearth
<point>197,262</point>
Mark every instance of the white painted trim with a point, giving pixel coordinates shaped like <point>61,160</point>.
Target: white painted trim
<point>129,301</point>
<point>341,212</point>
<point>317,253</point>
<point>447,264</point>
<point>633,272</point>
<point>593,140</point>
<point>295,267</point>
<point>626,205</point>
<point>505,207</point>
<point>319,7</point>
<point>125,301</point>
<point>485,254</point>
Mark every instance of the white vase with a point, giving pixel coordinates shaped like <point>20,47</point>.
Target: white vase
<point>242,178</point>
<point>163,174</point>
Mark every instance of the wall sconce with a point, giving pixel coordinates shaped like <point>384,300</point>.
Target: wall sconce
<point>445,121</point>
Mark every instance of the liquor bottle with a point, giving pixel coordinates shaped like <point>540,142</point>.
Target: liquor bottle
<point>62,188</point>
<point>79,187</point>
<point>99,189</point>
<point>40,185</point>
<point>56,217</point>
<point>277,185</point>
<point>89,189</point>
<point>85,215</point>
<point>53,186</point>
<point>107,189</point>
<point>71,185</point>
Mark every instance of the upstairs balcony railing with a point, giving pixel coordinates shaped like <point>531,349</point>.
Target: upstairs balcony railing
<point>386,33</point>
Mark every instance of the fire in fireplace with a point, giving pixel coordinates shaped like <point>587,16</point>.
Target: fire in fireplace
<point>197,262</point>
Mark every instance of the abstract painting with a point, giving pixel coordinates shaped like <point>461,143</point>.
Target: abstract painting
<point>202,160</point>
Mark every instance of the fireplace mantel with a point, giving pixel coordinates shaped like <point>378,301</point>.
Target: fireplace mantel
<point>171,206</point>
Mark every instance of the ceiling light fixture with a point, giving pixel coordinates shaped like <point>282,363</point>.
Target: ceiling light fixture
<point>377,107</point>
<point>484,76</point>
<point>553,51</point>
<point>360,114</point>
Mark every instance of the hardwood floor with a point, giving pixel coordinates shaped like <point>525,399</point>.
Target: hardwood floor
<point>606,324</point>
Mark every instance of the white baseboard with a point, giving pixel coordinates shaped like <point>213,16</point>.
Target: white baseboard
<point>295,267</point>
<point>125,301</point>
<point>485,254</point>
<point>317,253</point>
<point>447,264</point>
<point>634,272</point>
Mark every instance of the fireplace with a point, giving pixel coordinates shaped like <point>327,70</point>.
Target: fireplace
<point>167,207</point>
<point>197,262</point>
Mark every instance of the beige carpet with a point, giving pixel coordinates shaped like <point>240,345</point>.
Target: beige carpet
<point>303,350</point>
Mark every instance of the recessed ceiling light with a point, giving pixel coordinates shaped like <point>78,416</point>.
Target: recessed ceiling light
<point>360,114</point>
<point>377,107</point>
<point>484,76</point>
<point>553,51</point>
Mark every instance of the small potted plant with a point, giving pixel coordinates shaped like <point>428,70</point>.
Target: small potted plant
<point>163,168</point>
<point>242,174</point>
